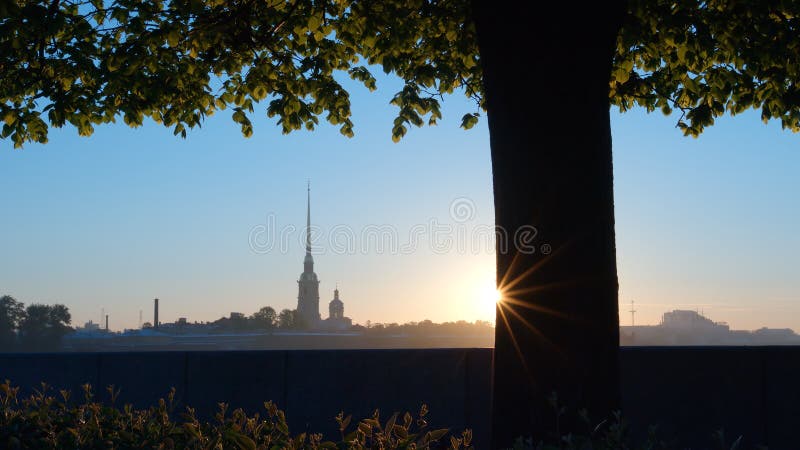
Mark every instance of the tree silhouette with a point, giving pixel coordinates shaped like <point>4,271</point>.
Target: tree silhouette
<point>43,327</point>
<point>286,319</point>
<point>429,328</point>
<point>545,72</point>
<point>264,318</point>
<point>11,314</point>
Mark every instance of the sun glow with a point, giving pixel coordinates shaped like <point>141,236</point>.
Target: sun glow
<point>487,297</point>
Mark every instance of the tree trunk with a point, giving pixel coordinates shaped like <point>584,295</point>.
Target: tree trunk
<point>546,73</point>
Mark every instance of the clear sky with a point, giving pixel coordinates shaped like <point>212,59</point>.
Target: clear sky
<point>205,224</point>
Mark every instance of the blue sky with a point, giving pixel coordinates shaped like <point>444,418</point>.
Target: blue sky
<point>112,221</point>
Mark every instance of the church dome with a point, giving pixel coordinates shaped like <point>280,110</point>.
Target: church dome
<point>336,307</point>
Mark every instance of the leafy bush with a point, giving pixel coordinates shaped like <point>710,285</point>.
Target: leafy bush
<point>42,421</point>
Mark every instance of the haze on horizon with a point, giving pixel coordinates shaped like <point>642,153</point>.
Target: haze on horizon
<point>115,220</point>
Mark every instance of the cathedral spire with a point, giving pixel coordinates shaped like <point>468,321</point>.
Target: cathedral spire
<point>308,220</point>
<point>308,284</point>
<point>308,261</point>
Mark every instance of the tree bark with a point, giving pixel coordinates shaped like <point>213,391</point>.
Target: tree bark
<point>546,74</point>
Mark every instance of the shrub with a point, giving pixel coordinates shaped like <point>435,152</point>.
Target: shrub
<point>43,421</point>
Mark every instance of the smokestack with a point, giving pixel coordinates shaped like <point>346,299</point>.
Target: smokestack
<point>155,313</point>
<point>106,322</point>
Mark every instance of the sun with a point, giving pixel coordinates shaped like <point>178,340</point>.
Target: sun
<point>487,297</point>
<point>493,295</point>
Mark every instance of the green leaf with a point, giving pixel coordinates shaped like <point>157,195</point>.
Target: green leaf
<point>244,442</point>
<point>314,22</point>
<point>469,120</point>
<point>435,435</point>
<point>173,38</point>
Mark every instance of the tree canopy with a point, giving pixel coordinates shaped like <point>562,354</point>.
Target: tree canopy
<point>90,62</point>
<point>44,325</point>
<point>35,327</point>
<point>706,58</point>
<point>86,63</point>
<point>265,317</point>
<point>11,314</point>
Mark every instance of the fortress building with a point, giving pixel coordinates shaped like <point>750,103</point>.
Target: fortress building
<point>308,284</point>
<point>308,292</point>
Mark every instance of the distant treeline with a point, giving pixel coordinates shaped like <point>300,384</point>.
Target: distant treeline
<point>428,328</point>
<point>40,327</point>
<point>267,318</point>
<point>36,327</point>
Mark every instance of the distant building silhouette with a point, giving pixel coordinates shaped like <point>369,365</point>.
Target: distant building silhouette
<point>89,326</point>
<point>336,319</point>
<point>308,292</point>
<point>686,327</point>
<point>308,284</point>
<point>336,307</point>
<point>688,319</point>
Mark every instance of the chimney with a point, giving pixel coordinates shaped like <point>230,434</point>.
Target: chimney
<point>155,313</point>
<point>106,322</point>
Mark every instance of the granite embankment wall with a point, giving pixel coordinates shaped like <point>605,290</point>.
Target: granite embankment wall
<point>688,391</point>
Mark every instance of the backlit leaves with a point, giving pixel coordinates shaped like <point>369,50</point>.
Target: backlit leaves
<point>46,421</point>
<point>89,62</point>
<point>709,58</point>
<point>469,121</point>
<point>86,63</point>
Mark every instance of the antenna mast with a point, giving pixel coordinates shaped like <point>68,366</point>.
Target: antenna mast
<point>633,312</point>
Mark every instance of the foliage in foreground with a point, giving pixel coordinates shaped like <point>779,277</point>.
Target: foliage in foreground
<point>84,63</point>
<point>42,421</point>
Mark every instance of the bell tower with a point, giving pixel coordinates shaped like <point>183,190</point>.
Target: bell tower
<point>308,284</point>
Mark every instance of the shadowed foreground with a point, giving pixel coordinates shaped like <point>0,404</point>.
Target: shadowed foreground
<point>689,391</point>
